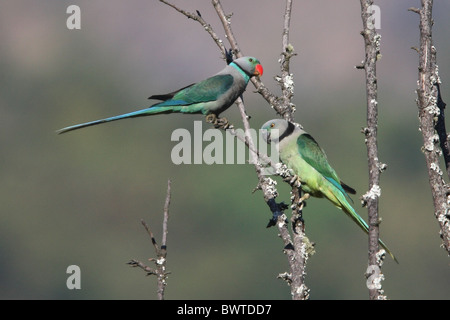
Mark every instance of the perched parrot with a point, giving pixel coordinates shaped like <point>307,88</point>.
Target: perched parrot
<point>209,97</point>
<point>301,153</point>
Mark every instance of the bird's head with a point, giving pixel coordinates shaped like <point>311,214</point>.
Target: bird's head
<point>250,66</point>
<point>276,129</point>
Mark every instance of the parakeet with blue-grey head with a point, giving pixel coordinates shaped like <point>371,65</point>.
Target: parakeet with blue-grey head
<point>302,154</point>
<point>209,97</point>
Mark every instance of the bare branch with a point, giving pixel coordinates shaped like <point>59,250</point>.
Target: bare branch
<point>440,126</point>
<point>161,253</point>
<point>226,22</point>
<point>286,82</point>
<point>372,52</point>
<point>431,118</point>
<point>166,215</point>
<point>150,233</point>
<point>137,263</point>
<point>302,247</point>
<point>197,17</point>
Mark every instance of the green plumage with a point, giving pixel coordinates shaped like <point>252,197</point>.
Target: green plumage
<point>205,91</point>
<point>313,155</point>
<point>211,96</point>
<point>302,154</point>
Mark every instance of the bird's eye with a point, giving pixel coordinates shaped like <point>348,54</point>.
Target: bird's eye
<point>272,125</point>
<point>251,60</point>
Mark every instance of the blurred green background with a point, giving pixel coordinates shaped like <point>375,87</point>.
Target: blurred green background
<point>78,198</point>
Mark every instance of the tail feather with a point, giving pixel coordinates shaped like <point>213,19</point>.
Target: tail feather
<point>363,225</point>
<point>348,188</point>
<point>338,198</point>
<point>134,114</point>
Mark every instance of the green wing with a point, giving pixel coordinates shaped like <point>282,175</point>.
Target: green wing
<point>313,154</point>
<point>207,90</point>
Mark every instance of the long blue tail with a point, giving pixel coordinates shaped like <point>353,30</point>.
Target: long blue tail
<point>134,114</point>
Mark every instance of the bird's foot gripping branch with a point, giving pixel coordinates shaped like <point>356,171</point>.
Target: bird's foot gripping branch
<point>218,123</point>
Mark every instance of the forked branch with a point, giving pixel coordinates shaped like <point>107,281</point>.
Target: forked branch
<point>161,252</point>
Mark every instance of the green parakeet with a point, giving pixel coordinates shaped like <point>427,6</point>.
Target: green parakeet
<point>211,96</point>
<point>301,153</point>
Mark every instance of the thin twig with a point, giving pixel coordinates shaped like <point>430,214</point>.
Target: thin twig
<point>161,253</point>
<point>166,216</point>
<point>197,17</point>
<point>150,233</point>
<point>286,82</point>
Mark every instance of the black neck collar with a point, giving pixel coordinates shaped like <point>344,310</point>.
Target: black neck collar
<point>288,132</point>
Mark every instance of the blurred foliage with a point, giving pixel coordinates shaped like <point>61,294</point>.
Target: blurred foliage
<point>78,198</point>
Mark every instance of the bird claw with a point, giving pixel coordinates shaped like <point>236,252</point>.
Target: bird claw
<point>298,221</point>
<point>211,118</point>
<point>219,123</point>
<point>293,181</point>
<point>305,197</point>
<point>223,123</point>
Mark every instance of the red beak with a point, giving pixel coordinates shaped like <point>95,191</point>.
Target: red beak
<point>258,70</point>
